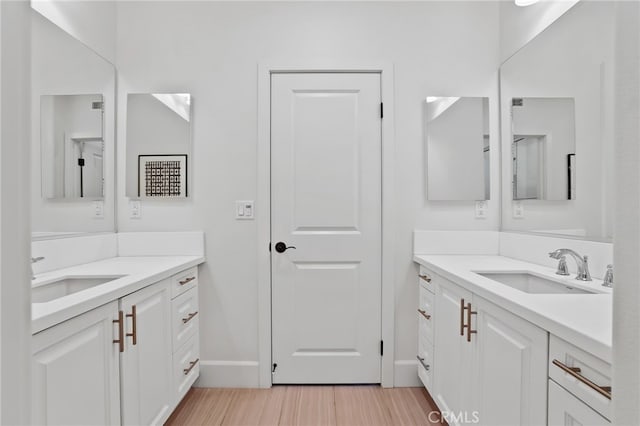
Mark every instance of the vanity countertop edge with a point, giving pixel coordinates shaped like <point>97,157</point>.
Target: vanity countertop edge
<point>138,271</point>
<point>582,320</point>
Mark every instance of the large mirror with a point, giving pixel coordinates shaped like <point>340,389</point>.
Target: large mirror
<point>557,128</point>
<point>72,144</point>
<point>73,92</point>
<point>458,148</point>
<point>158,145</point>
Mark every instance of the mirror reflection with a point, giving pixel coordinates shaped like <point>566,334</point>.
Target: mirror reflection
<point>543,148</point>
<point>557,118</point>
<point>457,133</point>
<point>158,145</point>
<point>72,146</point>
<point>73,98</point>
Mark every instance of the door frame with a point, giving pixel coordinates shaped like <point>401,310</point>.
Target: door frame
<point>263,210</point>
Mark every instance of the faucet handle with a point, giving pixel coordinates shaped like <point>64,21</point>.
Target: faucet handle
<point>608,277</point>
<point>562,266</point>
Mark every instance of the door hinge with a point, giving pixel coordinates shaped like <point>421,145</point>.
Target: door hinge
<point>381,110</point>
<point>269,245</point>
<point>273,369</point>
<point>381,347</point>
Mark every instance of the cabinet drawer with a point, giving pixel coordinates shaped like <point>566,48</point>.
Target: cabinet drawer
<point>586,368</point>
<point>186,367</point>
<point>425,278</point>
<point>567,410</point>
<point>184,317</point>
<point>425,364</point>
<point>425,329</point>
<point>184,281</point>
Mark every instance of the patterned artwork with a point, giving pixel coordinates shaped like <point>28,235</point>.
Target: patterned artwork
<point>162,176</point>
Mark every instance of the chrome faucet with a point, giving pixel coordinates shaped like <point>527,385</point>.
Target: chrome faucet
<point>581,261</point>
<point>35,260</point>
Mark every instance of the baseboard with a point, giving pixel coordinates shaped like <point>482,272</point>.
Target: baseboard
<point>228,374</point>
<point>406,374</point>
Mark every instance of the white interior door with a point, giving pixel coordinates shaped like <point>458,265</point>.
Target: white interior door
<point>326,202</point>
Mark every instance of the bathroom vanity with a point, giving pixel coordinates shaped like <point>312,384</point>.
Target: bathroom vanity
<point>509,342</point>
<point>115,341</point>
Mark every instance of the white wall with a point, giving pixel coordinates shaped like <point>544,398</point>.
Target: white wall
<point>62,65</point>
<point>212,50</point>
<point>573,58</point>
<point>93,22</point>
<point>15,295</point>
<point>626,297</point>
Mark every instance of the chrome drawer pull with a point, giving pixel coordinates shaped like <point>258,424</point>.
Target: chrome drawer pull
<point>192,364</point>
<point>575,373</point>
<point>421,360</point>
<point>186,280</point>
<point>424,314</point>
<point>425,277</point>
<point>190,317</point>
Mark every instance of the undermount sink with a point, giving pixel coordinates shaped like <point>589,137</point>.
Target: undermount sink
<point>66,286</point>
<point>530,283</point>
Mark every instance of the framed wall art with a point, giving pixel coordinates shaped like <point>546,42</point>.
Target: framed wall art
<point>162,176</point>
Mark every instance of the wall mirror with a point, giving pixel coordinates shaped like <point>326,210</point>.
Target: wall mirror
<point>557,128</point>
<point>73,92</point>
<point>457,145</point>
<point>543,148</point>
<point>158,145</point>
<point>72,146</point>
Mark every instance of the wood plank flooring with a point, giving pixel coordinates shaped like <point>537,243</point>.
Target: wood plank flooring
<point>306,405</point>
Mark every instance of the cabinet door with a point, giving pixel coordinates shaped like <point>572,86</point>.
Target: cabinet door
<point>75,371</point>
<point>510,368</point>
<point>452,352</point>
<point>147,364</point>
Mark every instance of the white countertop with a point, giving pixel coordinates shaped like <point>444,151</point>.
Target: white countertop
<point>138,272</point>
<point>584,320</point>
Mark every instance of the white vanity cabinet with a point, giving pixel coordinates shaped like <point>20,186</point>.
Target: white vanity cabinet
<point>491,364</point>
<point>76,371</point>
<point>127,362</point>
<point>146,361</point>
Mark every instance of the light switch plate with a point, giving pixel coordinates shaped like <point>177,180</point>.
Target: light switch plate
<point>244,210</point>
<point>98,209</point>
<point>135,209</point>
<point>482,209</point>
<point>518,210</point>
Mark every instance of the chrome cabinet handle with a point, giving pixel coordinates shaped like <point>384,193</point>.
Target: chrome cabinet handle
<point>425,277</point>
<point>190,317</point>
<point>186,280</point>
<point>192,364</point>
<point>421,361</point>
<point>575,373</point>
<point>424,314</point>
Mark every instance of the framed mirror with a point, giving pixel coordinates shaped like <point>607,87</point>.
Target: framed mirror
<point>458,148</point>
<point>158,145</point>
<point>557,128</point>
<point>73,99</point>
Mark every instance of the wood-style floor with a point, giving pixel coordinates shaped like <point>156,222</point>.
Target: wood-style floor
<point>306,405</point>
